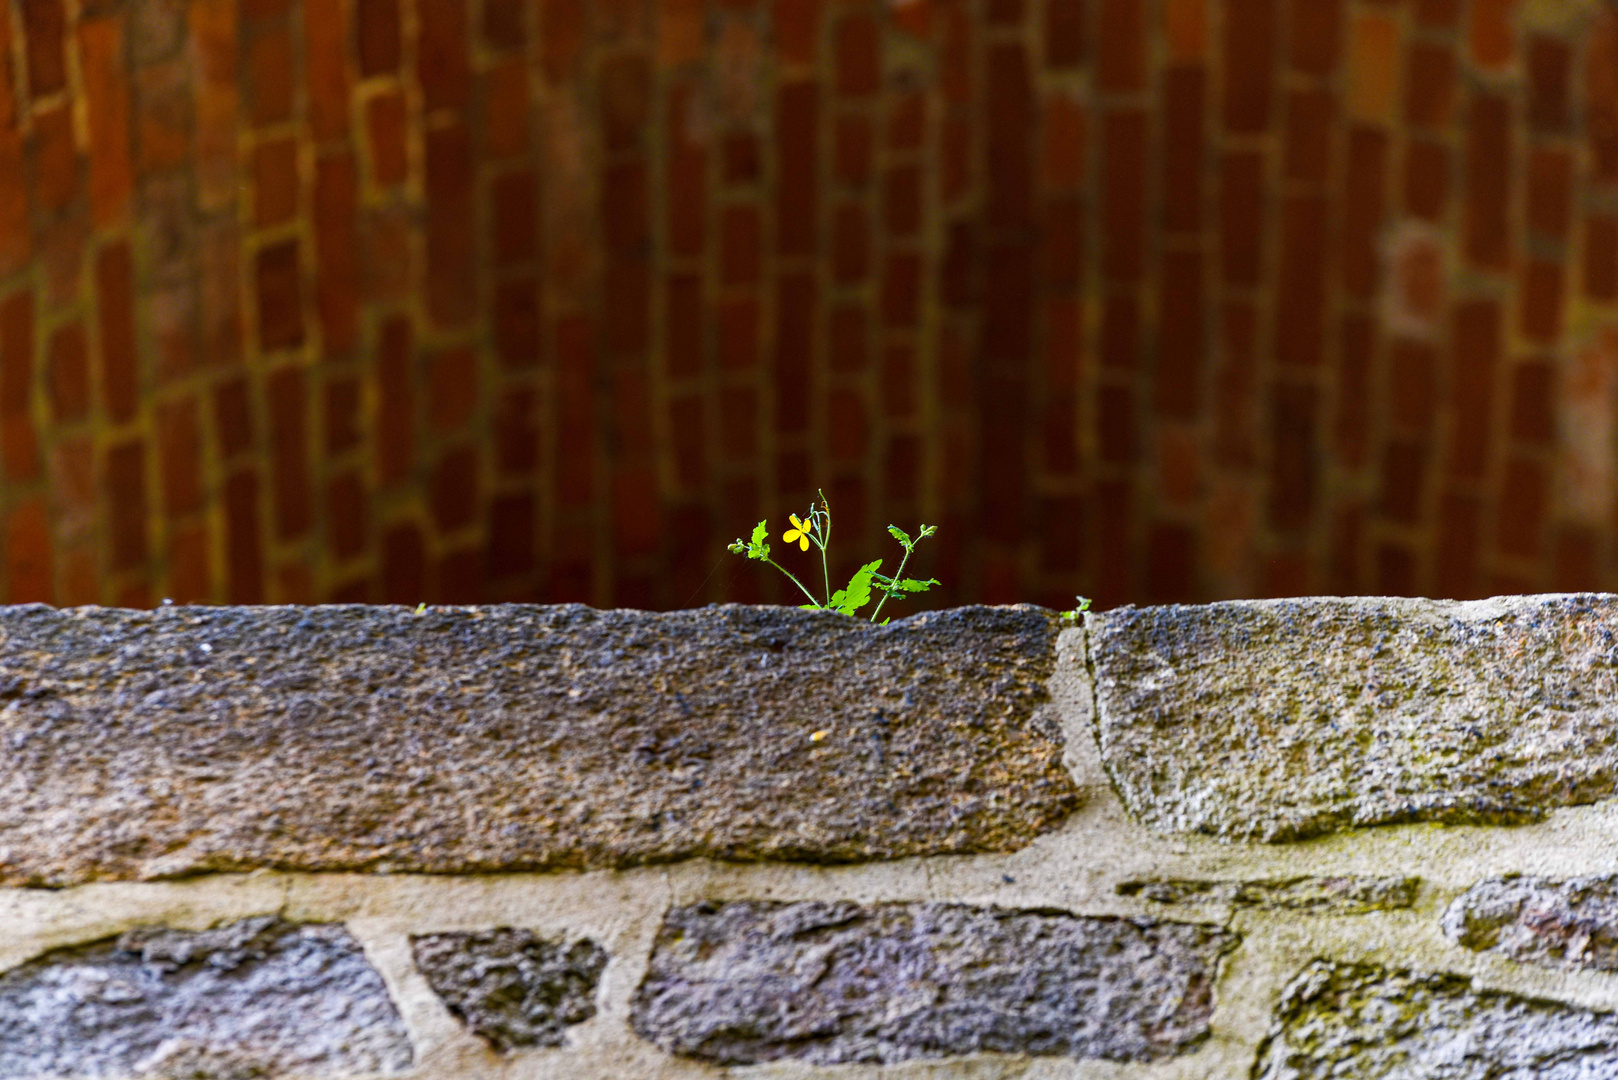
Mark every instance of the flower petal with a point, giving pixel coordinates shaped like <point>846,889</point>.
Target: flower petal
<point>803,542</point>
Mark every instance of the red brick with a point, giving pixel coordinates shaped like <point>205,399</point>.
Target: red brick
<point>15,231</point>
<point>635,511</point>
<point>106,93</point>
<point>1363,210</point>
<point>899,381</point>
<point>44,27</point>
<point>1550,193</point>
<point>270,72</point>
<point>901,470</point>
<point>1008,308</point>
<point>511,535</point>
<point>1542,300</point>
<point>244,552</point>
<point>1403,464</point>
<point>795,309</point>
<point>630,430</point>
<point>1294,458</point>
<point>1123,188</point>
<point>738,423</point>
<point>460,577</point>
<point>1576,560</point>
<point>1524,493</point>
<point>1180,341</point>
<point>849,333</point>
<point>853,150</point>
<point>163,128</point>
<point>796,121</point>
<point>688,434</point>
<point>955,153</point>
<point>850,244</point>
<point>1059,426</point>
<point>1475,354</point>
<point>1343,557</point>
<point>1063,155</point>
<point>687,210</point>
<point>1301,308</point>
<point>683,332</point>
<point>124,489</point>
<point>1003,454</point>
<point>1249,64</point>
<point>280,299</point>
<point>1395,570</point>
<point>1121,66</point>
<point>562,33</point>
<point>1601,94</point>
<point>452,388</point>
<point>1005,12</point>
<point>1171,564</point>
<point>1120,332</point>
<point>115,308</point>
<point>516,432</point>
<point>442,64</point>
<point>514,222</point>
<point>740,162</point>
<point>958,274</point>
<point>190,565</point>
<point>505,109</point>
<point>451,258</point>
<point>1064,32</point>
<point>395,402</point>
<point>1310,125</point>
<point>233,417</point>
<point>504,23</point>
<point>179,456</point>
<point>1430,85</point>
<point>626,100</point>
<point>738,335</point>
<point>342,412</point>
<point>287,406</point>
<point>858,56</point>
<point>740,240</point>
<point>337,268</point>
<point>797,27</point>
<point>1315,32</point>
<point>901,201</point>
<point>1455,568</point>
<point>907,121</point>
<point>1412,385</point>
<point>404,565</point>
<point>628,308</point>
<point>1115,547</point>
<point>1601,257</point>
<point>1491,32</point>
<point>1184,90</point>
<point>1008,149</point>
<point>1550,65</point>
<point>1241,217</point>
<point>68,373</point>
<point>16,353</point>
<point>1353,398</point>
<point>275,181</point>
<point>516,323</point>
<point>1062,242</point>
<point>1489,163</point>
<point>1533,403</point>
<point>1426,183</point>
<point>1438,13</point>
<point>453,495</point>
<point>1116,439</point>
<point>219,260</point>
<point>56,160</point>
<point>351,592</point>
<point>325,32</point>
<point>28,553</point>
<point>379,36</point>
<point>626,225</point>
<point>387,126</point>
<point>575,412</point>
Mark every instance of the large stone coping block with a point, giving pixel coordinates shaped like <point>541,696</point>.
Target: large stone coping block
<point>1285,719</point>
<point>141,745</point>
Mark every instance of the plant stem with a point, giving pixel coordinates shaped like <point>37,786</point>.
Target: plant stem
<point>825,570</point>
<point>796,582</point>
<point>894,584</point>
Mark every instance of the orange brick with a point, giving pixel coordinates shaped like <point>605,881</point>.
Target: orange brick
<point>1373,67</point>
<point>1491,34</point>
<point>28,553</point>
<point>106,91</point>
<point>1185,25</point>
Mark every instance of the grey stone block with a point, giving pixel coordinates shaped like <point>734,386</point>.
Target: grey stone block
<point>1284,719</point>
<point>1367,1023</point>
<point>511,987</point>
<point>1314,895</point>
<point>171,742</point>
<point>1556,924</point>
<point>253,998</point>
<point>830,983</point>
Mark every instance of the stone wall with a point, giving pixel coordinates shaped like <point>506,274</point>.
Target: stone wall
<point>1274,839</point>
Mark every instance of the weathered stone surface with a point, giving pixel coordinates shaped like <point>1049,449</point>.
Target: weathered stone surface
<point>1315,895</point>
<point>253,998</point>
<point>1283,719</point>
<point>829,983</point>
<point>1366,1023</point>
<point>1557,924</point>
<point>512,987</point>
<point>149,744</point>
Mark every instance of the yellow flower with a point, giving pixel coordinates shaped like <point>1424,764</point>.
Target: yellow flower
<point>798,532</point>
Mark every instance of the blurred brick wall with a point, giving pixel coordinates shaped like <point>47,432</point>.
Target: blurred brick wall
<point>548,299</point>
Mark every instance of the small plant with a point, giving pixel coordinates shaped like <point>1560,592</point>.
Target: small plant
<point>868,580</point>
<point>1078,612</point>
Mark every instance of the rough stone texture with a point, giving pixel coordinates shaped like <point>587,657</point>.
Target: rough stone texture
<point>830,983</point>
<point>182,740</point>
<point>1315,895</point>
<point>1366,1023</point>
<point>253,998</point>
<point>1557,924</point>
<point>512,987</point>
<point>1285,719</point>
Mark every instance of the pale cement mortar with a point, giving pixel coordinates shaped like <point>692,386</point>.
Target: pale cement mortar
<point>1076,869</point>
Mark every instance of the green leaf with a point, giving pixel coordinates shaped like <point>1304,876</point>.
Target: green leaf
<point>760,546</point>
<point>912,585</point>
<point>901,536</point>
<point>858,593</point>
